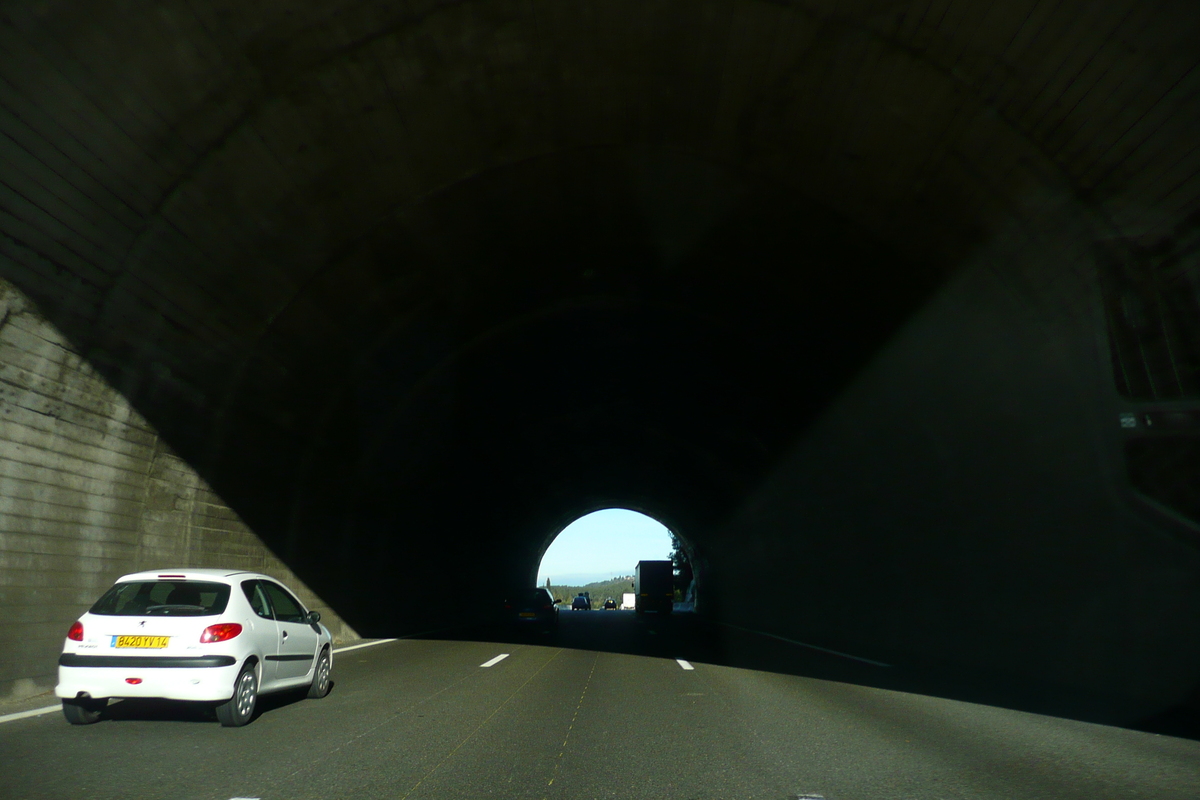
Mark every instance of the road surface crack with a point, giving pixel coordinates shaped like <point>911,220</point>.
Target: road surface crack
<point>571,726</point>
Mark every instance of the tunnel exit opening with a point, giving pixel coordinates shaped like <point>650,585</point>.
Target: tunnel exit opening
<point>598,552</point>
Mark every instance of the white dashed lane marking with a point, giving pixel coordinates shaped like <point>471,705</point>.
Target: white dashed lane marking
<point>683,663</point>
<point>493,662</point>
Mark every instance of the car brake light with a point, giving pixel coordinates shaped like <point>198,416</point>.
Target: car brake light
<point>76,632</point>
<point>133,681</point>
<point>221,632</point>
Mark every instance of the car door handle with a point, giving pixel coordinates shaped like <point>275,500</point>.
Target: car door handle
<point>285,636</point>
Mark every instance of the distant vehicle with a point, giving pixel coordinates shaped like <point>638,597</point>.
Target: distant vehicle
<point>654,587</point>
<point>627,600</point>
<point>208,635</point>
<point>610,604</point>
<point>532,608</point>
<point>581,603</point>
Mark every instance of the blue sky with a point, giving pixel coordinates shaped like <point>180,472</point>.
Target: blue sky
<point>603,544</point>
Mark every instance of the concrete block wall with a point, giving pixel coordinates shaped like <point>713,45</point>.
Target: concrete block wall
<point>88,492</point>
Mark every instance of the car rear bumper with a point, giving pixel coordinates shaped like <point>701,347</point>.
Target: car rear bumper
<point>174,681</point>
<point>145,662</point>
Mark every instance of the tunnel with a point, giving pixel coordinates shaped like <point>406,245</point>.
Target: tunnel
<point>891,310</point>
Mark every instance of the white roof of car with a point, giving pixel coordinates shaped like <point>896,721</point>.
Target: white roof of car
<point>188,573</point>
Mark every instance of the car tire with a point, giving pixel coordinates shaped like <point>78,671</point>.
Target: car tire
<point>239,709</point>
<point>321,684</point>
<point>83,712</point>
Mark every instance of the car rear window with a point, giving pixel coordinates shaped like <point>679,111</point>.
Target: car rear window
<point>175,598</point>
<point>530,597</point>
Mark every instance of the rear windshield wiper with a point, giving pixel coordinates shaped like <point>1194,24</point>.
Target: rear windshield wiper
<point>167,608</point>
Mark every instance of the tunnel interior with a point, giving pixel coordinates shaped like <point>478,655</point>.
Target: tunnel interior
<point>608,325</point>
<point>850,299</point>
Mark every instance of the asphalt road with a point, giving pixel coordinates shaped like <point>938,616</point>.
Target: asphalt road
<point>422,718</point>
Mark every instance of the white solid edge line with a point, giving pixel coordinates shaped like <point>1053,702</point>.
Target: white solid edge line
<point>23,714</point>
<point>359,646</point>
<point>495,660</point>
<point>38,711</point>
<point>683,663</point>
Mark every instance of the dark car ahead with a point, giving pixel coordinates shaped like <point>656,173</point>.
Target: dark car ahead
<point>531,608</point>
<point>581,603</point>
<point>610,604</point>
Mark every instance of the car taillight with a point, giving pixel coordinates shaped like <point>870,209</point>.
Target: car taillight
<point>221,632</point>
<point>76,632</point>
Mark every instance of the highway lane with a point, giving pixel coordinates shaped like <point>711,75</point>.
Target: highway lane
<point>423,719</point>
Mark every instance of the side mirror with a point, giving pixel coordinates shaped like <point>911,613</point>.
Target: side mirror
<point>314,617</point>
<point>557,600</point>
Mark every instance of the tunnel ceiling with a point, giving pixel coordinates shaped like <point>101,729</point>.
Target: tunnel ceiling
<point>464,266</point>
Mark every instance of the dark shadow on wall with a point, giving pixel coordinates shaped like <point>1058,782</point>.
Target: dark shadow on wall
<point>529,340</point>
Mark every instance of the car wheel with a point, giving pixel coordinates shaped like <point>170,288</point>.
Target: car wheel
<point>320,683</point>
<point>83,712</point>
<point>237,710</point>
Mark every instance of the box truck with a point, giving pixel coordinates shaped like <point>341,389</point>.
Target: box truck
<point>654,587</point>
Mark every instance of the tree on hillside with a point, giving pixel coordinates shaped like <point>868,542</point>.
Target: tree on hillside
<point>683,565</point>
<point>599,590</point>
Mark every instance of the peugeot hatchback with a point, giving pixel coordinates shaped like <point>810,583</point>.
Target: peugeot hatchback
<point>206,635</point>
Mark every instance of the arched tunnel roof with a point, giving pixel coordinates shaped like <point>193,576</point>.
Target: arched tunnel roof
<point>415,284</point>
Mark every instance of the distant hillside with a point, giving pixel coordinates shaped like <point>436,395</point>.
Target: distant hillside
<point>614,588</point>
<point>577,578</point>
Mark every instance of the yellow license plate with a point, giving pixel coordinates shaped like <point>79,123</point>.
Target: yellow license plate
<point>153,642</point>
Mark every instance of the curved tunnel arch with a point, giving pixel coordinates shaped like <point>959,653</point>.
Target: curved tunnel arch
<point>573,517</point>
<point>846,261</point>
<point>655,512</point>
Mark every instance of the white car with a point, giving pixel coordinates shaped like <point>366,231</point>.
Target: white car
<point>208,635</point>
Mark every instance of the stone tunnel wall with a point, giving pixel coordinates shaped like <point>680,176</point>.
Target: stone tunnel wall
<point>89,492</point>
<point>963,506</point>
